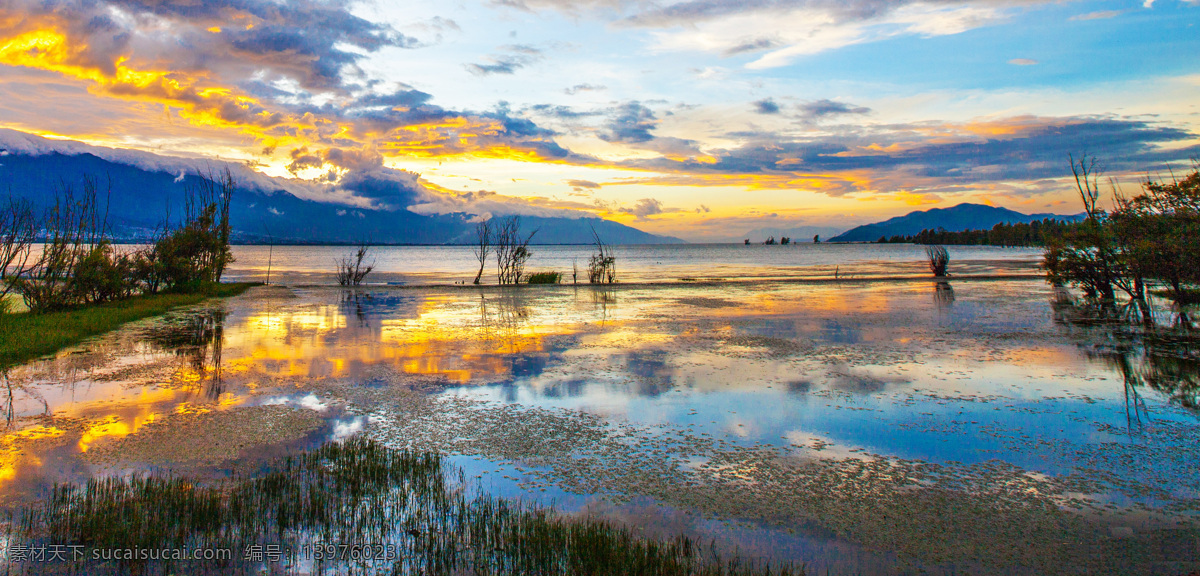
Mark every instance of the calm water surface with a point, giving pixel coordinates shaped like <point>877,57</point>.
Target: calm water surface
<point>887,427</point>
<point>643,263</point>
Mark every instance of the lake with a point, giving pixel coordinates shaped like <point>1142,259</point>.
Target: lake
<point>876,425</point>
<point>638,263</point>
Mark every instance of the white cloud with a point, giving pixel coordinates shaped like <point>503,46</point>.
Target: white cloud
<point>782,35</point>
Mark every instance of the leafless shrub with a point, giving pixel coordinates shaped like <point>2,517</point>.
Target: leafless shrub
<point>512,251</point>
<point>351,270</point>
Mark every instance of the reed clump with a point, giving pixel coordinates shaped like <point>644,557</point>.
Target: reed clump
<point>939,259</point>
<point>352,507</point>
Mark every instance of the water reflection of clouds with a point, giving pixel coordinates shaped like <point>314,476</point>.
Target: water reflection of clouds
<point>455,338</point>
<point>900,370</point>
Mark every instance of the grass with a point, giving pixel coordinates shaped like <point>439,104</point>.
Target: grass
<point>396,511</point>
<point>24,337</point>
<point>545,278</point>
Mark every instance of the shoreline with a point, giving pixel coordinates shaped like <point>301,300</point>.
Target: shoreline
<point>701,282</point>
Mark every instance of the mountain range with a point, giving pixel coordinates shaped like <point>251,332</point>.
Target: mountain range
<point>140,191</point>
<point>953,219</point>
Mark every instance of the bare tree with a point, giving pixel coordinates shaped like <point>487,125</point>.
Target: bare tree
<point>512,251</point>
<point>74,228</point>
<point>1087,181</point>
<point>351,270</point>
<point>483,244</point>
<point>18,229</point>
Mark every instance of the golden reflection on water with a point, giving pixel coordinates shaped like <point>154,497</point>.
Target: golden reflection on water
<point>440,335</point>
<point>12,444</point>
<point>641,341</point>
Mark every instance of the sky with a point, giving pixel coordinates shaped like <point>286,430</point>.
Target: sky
<point>700,119</point>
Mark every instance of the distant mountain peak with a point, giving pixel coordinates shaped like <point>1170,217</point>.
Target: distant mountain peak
<point>965,216</point>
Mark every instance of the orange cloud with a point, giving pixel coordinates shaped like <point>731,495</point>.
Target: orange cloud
<point>203,101</point>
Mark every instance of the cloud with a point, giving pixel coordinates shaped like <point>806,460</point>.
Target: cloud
<point>486,203</point>
<point>752,45</point>
<point>1023,61</point>
<point>823,108</point>
<point>766,106</point>
<point>310,43</point>
<point>645,208</point>
<point>583,184</point>
<point>499,65</point>
<point>631,122</point>
<point>784,30</point>
<point>584,88</point>
<point>932,157</point>
<point>387,188</point>
<point>564,112</point>
<point>516,56</point>
<point>283,76</point>
<point>1097,15</point>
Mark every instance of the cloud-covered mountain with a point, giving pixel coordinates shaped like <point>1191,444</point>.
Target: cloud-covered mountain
<point>141,191</point>
<point>953,219</point>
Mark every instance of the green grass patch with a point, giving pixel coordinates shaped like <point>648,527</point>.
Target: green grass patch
<point>26,336</point>
<point>353,507</point>
<point>544,278</point>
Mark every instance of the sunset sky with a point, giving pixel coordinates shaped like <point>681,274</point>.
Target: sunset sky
<point>698,118</point>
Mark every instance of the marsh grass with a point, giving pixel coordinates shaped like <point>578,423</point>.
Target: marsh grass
<point>24,337</point>
<point>545,278</point>
<point>357,493</point>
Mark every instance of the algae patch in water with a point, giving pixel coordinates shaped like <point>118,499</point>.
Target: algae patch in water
<point>208,437</point>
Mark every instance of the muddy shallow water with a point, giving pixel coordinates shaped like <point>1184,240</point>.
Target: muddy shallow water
<point>856,427</point>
